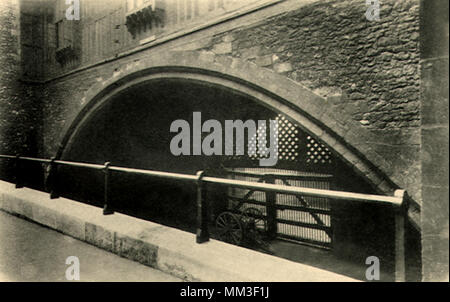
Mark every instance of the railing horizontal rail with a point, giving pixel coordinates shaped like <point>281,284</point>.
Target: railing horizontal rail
<point>169,175</point>
<point>80,165</point>
<point>393,200</point>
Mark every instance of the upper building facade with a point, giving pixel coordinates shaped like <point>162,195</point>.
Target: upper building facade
<point>64,37</point>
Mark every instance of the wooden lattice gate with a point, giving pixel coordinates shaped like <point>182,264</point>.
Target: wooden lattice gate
<point>302,161</point>
<point>303,219</point>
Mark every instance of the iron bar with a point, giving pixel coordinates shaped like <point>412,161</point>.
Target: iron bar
<point>279,175</point>
<point>400,214</point>
<point>271,210</point>
<point>202,210</point>
<point>303,224</point>
<point>52,179</point>
<point>107,209</point>
<point>393,200</point>
<point>168,175</point>
<point>18,172</point>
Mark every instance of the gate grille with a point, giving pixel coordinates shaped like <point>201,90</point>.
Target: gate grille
<point>303,219</point>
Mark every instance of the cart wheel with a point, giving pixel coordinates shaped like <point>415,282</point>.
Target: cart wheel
<point>229,228</point>
<point>256,217</point>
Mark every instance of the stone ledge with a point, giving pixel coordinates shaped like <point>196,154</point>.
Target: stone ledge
<point>167,249</point>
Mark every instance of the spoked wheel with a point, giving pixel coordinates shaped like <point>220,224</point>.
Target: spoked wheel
<point>256,217</point>
<point>229,228</point>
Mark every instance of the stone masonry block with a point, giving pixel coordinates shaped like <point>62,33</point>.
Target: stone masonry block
<point>26,209</point>
<point>282,67</point>
<point>136,250</point>
<point>264,61</point>
<point>250,53</point>
<point>207,56</point>
<point>435,230</point>
<point>71,226</point>
<point>44,216</point>
<point>374,178</point>
<point>328,139</point>
<point>5,202</point>
<point>228,38</point>
<point>435,156</point>
<point>385,187</point>
<point>224,60</point>
<point>100,237</point>
<point>222,48</point>
<point>198,44</point>
<point>362,167</point>
<point>341,149</point>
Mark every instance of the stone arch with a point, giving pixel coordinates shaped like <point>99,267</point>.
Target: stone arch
<point>309,110</point>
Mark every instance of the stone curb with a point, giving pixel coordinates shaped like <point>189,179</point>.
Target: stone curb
<point>167,249</point>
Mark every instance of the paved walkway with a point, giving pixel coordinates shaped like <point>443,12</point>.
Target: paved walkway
<point>30,252</point>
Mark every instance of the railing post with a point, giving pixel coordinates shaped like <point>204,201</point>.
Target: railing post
<point>51,179</point>
<point>400,221</point>
<point>202,210</point>
<point>107,209</point>
<point>18,172</point>
<point>271,210</point>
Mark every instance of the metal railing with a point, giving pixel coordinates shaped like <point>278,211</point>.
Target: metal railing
<point>398,201</point>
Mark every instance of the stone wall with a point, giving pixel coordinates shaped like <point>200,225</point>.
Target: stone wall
<point>435,180</point>
<point>20,115</point>
<point>332,49</point>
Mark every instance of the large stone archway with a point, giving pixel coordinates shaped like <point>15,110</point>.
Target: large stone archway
<point>325,118</point>
<point>304,107</point>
